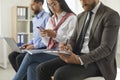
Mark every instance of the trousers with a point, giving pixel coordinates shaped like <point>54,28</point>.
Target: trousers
<point>28,65</point>
<point>15,59</point>
<point>63,71</point>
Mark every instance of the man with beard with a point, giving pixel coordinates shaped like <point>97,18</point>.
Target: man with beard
<point>40,19</point>
<point>91,49</point>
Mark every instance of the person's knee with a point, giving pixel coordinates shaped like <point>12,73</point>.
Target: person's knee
<point>38,69</point>
<point>41,68</point>
<point>59,74</point>
<point>63,73</point>
<point>19,58</point>
<point>32,67</point>
<point>42,72</point>
<point>12,55</point>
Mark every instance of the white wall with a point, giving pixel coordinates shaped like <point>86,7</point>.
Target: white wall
<point>0,18</point>
<point>114,4</point>
<point>75,5</point>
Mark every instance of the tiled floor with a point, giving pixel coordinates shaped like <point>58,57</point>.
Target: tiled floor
<point>7,74</point>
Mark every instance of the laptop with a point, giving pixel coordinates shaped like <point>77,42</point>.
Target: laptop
<point>11,42</point>
<point>13,45</point>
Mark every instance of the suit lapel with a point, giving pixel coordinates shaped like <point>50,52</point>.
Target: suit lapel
<point>81,22</point>
<point>98,15</point>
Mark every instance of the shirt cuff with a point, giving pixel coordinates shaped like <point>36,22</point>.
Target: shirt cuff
<point>81,62</point>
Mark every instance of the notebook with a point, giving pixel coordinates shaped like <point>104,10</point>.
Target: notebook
<point>11,42</point>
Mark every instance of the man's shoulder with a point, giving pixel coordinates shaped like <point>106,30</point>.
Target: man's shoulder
<point>108,10</point>
<point>46,13</point>
<point>80,15</point>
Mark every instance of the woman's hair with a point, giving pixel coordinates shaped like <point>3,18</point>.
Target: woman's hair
<point>63,6</point>
<point>39,1</point>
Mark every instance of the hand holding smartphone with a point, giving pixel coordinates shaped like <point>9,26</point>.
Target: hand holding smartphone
<point>42,31</point>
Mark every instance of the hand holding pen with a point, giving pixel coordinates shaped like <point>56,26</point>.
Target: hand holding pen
<point>65,46</point>
<point>70,57</point>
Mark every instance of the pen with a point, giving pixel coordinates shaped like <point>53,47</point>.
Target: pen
<point>66,42</point>
<point>41,28</point>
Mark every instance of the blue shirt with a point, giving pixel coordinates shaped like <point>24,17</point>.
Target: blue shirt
<point>39,20</point>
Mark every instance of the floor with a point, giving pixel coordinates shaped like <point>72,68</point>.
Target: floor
<point>7,74</point>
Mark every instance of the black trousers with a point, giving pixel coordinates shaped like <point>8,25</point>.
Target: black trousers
<point>62,71</point>
<point>15,59</point>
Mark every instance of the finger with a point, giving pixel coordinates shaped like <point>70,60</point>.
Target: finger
<point>67,47</point>
<point>61,46</point>
<point>27,47</point>
<point>23,47</point>
<point>45,31</point>
<point>42,29</point>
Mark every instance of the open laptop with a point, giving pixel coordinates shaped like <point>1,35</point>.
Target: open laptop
<point>13,45</point>
<point>11,42</point>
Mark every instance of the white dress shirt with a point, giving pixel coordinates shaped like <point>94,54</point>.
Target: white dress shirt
<point>65,30</point>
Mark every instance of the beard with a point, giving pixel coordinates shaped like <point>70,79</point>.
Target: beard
<point>36,12</point>
<point>88,7</point>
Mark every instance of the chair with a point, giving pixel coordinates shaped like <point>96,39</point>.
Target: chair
<point>90,78</point>
<point>95,78</point>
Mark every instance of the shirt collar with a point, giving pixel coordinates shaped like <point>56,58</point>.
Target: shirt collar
<point>61,15</point>
<point>94,10</point>
<point>40,14</point>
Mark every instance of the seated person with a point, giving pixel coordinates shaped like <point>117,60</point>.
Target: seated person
<point>58,29</point>
<point>40,19</point>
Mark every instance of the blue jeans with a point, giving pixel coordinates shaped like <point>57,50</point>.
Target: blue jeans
<point>28,65</point>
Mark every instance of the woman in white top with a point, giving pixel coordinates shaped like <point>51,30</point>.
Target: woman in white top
<point>65,28</point>
<point>58,29</point>
<point>64,31</point>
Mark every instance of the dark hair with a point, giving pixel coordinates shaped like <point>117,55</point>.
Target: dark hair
<point>64,7</point>
<point>39,1</point>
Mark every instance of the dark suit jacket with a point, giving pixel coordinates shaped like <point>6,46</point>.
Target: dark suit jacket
<point>103,40</point>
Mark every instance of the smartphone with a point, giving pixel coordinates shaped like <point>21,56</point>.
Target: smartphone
<point>41,28</point>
